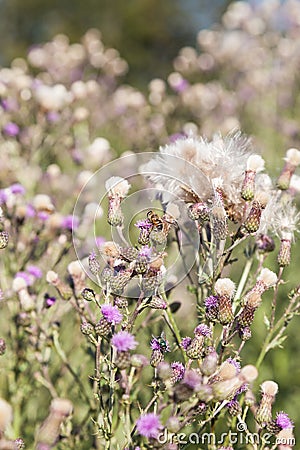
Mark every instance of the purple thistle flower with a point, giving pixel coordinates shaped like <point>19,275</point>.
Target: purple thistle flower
<point>30,211</point>
<point>211,302</point>
<point>192,379</point>
<point>186,342</point>
<point>124,341</point>
<point>53,116</point>
<point>242,389</point>
<point>17,188</point>
<point>235,363</point>
<point>99,241</point>
<point>34,271</point>
<point>178,370</point>
<point>70,222</point>
<point>11,129</point>
<point>3,196</point>
<point>49,301</point>
<point>146,251</point>
<point>26,277</point>
<point>160,344</point>
<point>111,314</point>
<point>148,425</point>
<point>143,224</point>
<point>283,420</point>
<point>174,137</point>
<point>202,330</point>
<point>43,215</point>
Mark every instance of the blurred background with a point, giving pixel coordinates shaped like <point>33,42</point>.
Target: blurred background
<point>147,33</point>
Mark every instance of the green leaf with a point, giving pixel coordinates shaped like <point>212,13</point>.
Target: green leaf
<point>277,343</point>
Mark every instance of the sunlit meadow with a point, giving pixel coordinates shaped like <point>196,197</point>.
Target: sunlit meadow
<point>149,260</point>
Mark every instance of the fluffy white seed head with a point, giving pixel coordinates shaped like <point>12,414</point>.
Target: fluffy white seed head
<point>224,286</point>
<point>227,371</point>
<point>18,284</point>
<point>249,372</point>
<point>111,249</point>
<point>269,388</point>
<point>293,157</point>
<point>262,197</point>
<point>51,277</point>
<point>75,269</point>
<point>267,277</point>
<point>117,187</point>
<point>42,202</point>
<point>295,183</point>
<point>255,163</point>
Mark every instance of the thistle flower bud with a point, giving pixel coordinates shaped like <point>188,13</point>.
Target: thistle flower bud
<point>121,302</point>
<point>86,328</point>
<point>2,346</point>
<point>263,413</point>
<point>284,255</point>
<point>103,327</point>
<point>4,238</point>
<point>225,288</point>
<point>209,363</point>
<point>115,216</point>
<point>88,294</point>
<point>158,237</point>
<point>219,217</point>
<point>234,408</point>
<point>157,357</point>
<point>157,302</point>
<point>194,350</point>
<point>120,281</point>
<point>128,253</point>
<point>199,211</point>
<point>212,308</point>
<point>246,317</point>
<point>292,160</point>
<point>252,222</point>
<point>255,163</point>
<point>94,264</point>
<point>6,415</point>
<point>141,264</point>
<point>122,360</point>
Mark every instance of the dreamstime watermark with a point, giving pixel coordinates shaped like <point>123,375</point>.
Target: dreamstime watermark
<point>241,436</point>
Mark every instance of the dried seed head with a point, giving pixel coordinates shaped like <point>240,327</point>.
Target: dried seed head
<point>19,284</point>
<point>268,277</point>
<point>51,277</point>
<point>110,249</point>
<point>43,203</point>
<point>224,286</point>
<point>75,269</point>
<point>249,373</point>
<point>229,369</point>
<point>293,157</point>
<point>255,163</point>
<point>269,388</point>
<point>117,187</point>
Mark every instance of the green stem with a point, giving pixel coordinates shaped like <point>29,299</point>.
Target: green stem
<point>242,283</point>
<point>174,328</point>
